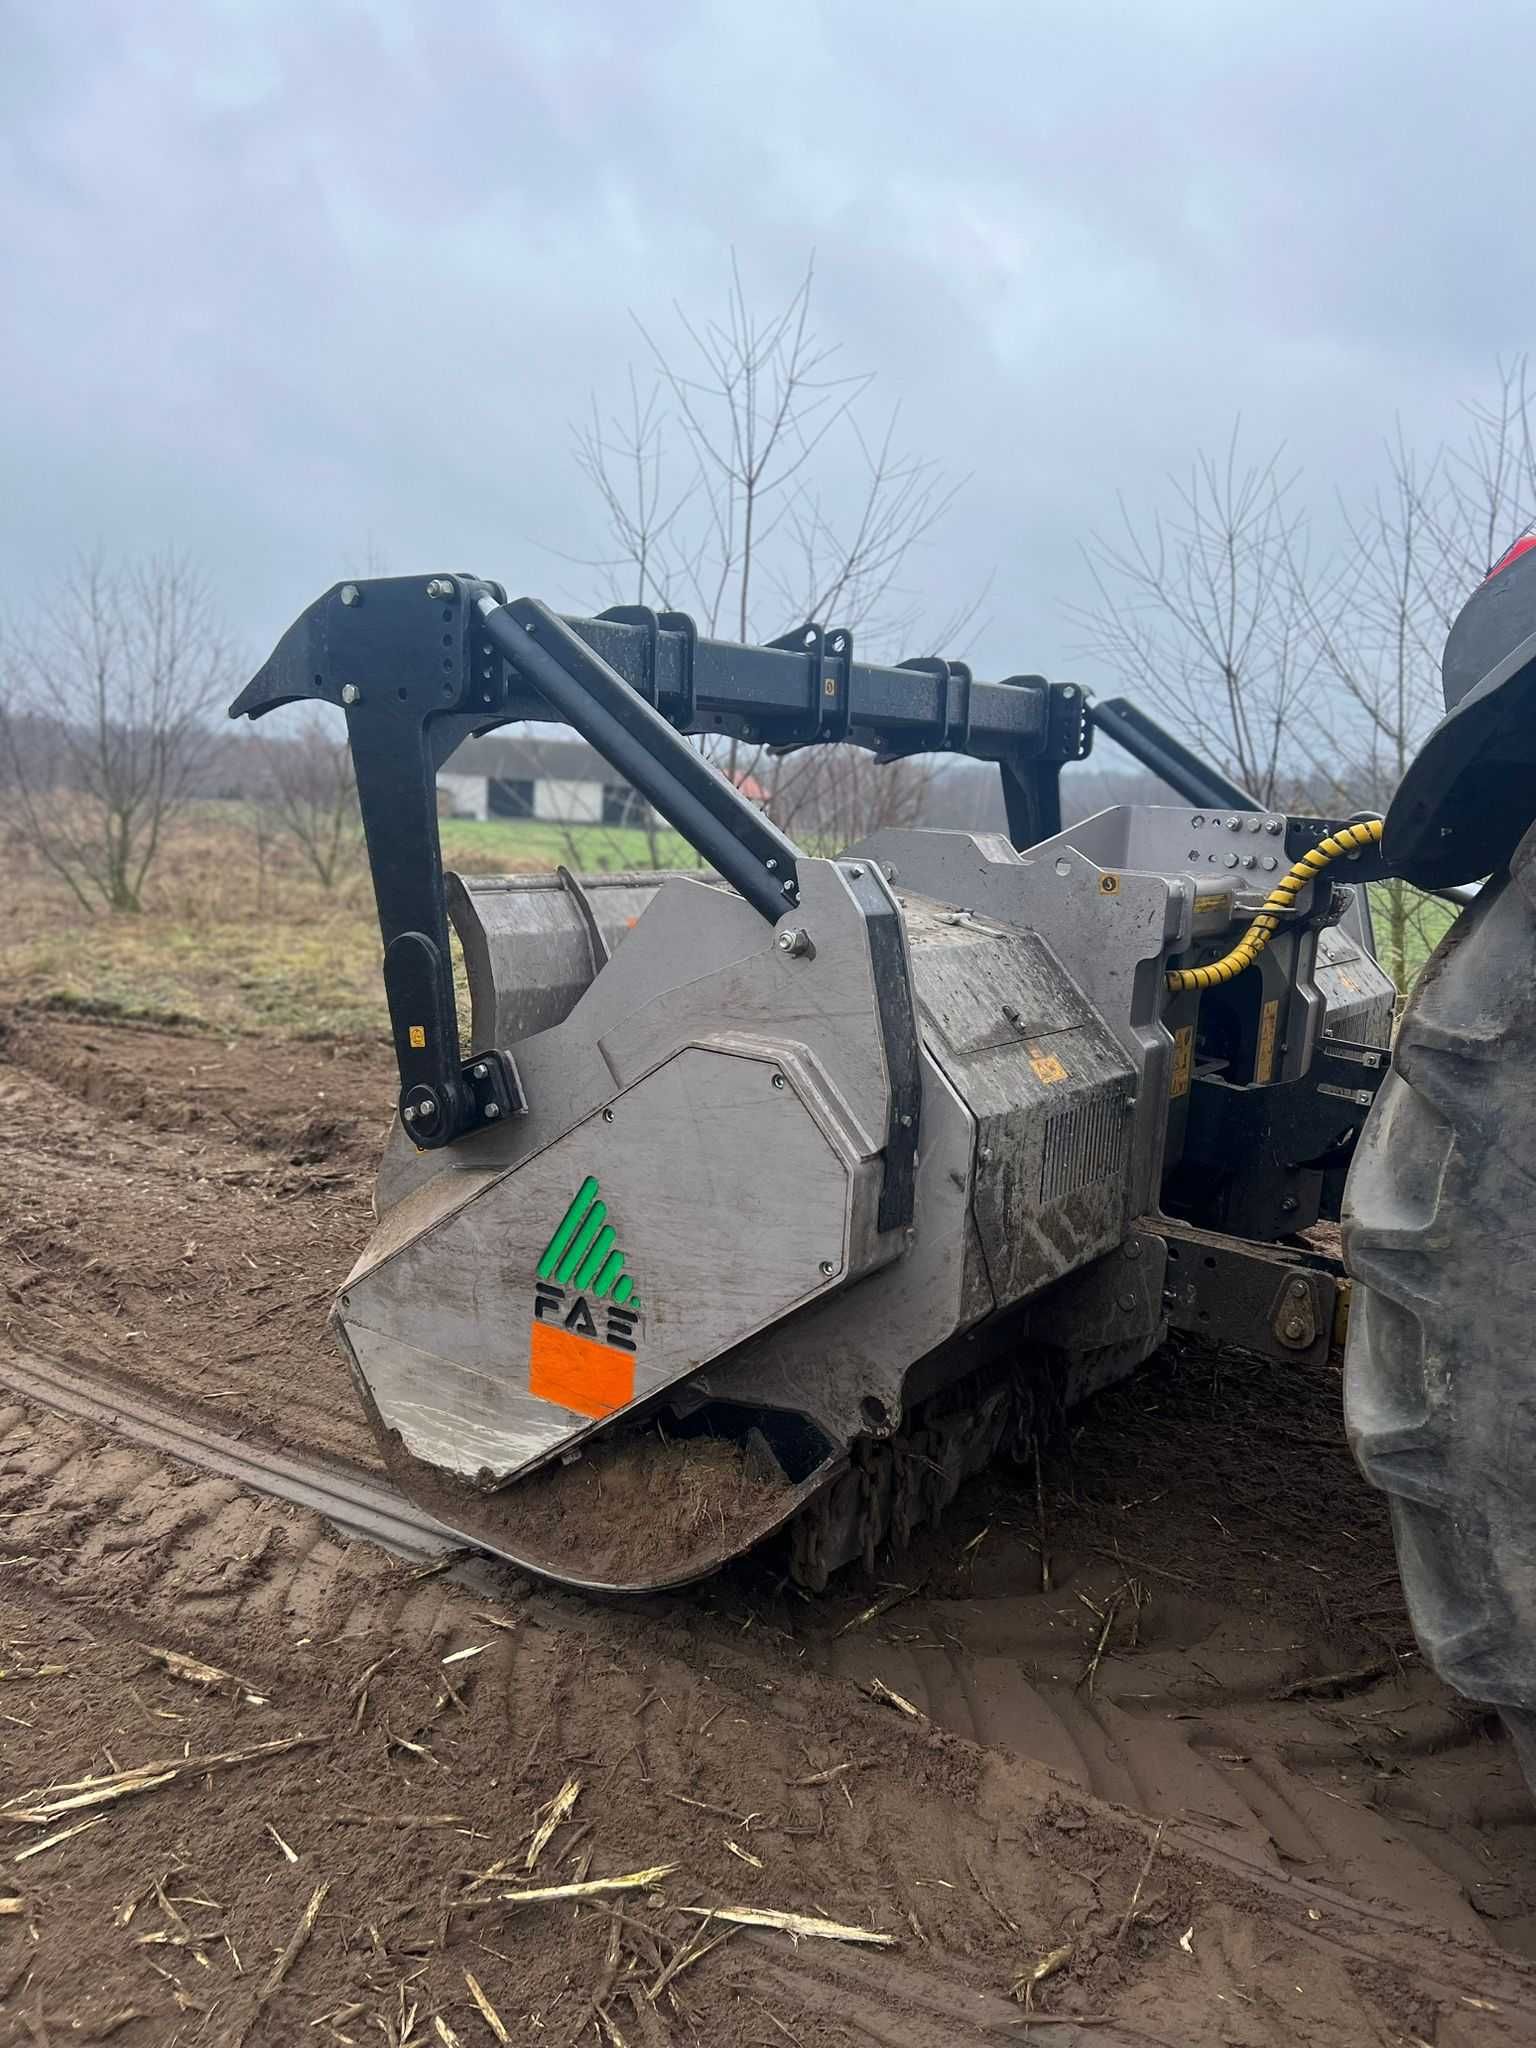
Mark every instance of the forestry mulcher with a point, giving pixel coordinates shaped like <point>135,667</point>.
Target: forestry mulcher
<point>780,1194</point>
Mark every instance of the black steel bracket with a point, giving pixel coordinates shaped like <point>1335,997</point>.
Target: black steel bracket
<point>1303,833</point>
<point>402,658</point>
<point>1264,1161</point>
<point>827,653</point>
<point>417,664</point>
<point>897,1012</point>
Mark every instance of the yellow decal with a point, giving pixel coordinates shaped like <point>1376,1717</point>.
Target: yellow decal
<point>1046,1065</point>
<point>1183,1061</point>
<point>1264,1065</point>
<point>1109,885</point>
<point>1206,904</point>
<point>418,1036</point>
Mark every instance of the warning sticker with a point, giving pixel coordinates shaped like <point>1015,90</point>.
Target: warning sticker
<point>1046,1066</point>
<point>418,1036</point>
<point>1204,905</point>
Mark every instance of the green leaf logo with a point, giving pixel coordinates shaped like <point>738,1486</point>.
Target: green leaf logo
<point>582,1253</point>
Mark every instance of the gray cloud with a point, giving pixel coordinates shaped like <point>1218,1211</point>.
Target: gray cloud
<point>287,280</point>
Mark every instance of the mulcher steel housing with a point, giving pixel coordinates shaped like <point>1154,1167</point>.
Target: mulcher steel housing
<point>833,1175</point>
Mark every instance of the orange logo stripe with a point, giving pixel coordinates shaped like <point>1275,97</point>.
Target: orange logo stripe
<point>577,1373</point>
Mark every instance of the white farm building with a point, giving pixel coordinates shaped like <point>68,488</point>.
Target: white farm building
<point>558,782</point>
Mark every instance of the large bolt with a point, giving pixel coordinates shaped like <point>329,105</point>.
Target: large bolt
<point>409,1114</point>
<point>787,889</point>
<point>794,942</point>
<point>1273,827</point>
<point>492,1111</point>
<point>1234,824</point>
<point>827,1269</point>
<point>441,586</point>
<point>1295,1329</point>
<point>350,594</point>
<point>351,694</point>
<point>856,872</point>
<point>480,1070</point>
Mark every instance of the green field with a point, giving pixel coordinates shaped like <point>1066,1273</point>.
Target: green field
<point>504,846</point>
<point>1408,927</point>
<point>237,935</point>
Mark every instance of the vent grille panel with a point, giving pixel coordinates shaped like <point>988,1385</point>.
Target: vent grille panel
<point>1085,1144</point>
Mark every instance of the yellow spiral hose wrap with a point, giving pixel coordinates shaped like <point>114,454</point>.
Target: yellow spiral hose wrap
<point>1280,899</point>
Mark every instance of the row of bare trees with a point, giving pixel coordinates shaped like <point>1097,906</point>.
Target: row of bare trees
<point>750,479</point>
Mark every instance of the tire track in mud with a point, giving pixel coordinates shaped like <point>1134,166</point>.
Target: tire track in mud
<point>688,1733</point>
<point>351,1499</point>
<point>1151,1752</point>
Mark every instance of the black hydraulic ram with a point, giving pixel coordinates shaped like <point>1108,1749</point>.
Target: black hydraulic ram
<point>1168,758</point>
<point>1199,783</point>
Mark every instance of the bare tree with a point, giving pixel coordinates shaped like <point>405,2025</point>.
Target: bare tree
<point>1316,684</point>
<point>104,729</point>
<point>828,797</point>
<point>1203,612</point>
<point>745,478</point>
<point>1377,625</point>
<point>1415,553</point>
<point>308,787</point>
<point>1485,493</point>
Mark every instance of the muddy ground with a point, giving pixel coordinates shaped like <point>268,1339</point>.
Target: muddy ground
<point>1204,1637</point>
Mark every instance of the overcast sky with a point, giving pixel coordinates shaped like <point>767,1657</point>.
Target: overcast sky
<point>284,282</point>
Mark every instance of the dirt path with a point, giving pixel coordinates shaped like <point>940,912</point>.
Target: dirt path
<point>763,1775</point>
<point>1220,1647</point>
<point>180,1209</point>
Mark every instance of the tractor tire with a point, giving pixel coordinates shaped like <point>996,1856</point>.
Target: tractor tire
<point>1440,1366</point>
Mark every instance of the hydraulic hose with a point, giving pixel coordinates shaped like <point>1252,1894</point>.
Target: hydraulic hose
<point>1280,899</point>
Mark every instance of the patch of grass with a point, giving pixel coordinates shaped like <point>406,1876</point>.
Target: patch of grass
<point>1408,927</point>
<point>502,846</point>
<point>237,935</point>
<point>233,937</point>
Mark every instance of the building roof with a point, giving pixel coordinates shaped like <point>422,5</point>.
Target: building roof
<point>509,758</point>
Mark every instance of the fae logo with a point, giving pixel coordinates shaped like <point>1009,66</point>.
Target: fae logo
<point>581,1280</point>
